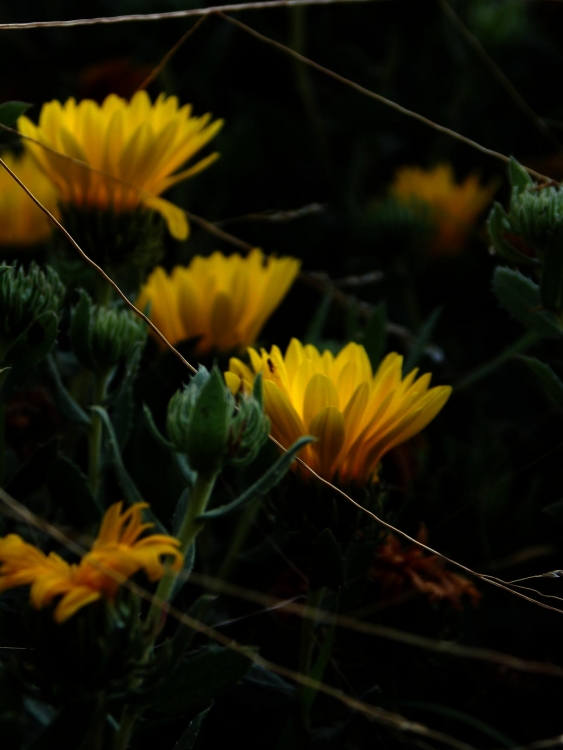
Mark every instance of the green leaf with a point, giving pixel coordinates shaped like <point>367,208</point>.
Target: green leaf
<point>128,486</point>
<point>315,328</point>
<point>519,177</point>
<point>521,298</point>
<point>551,285</point>
<point>123,404</point>
<point>81,331</point>
<point>375,335</point>
<point>204,675</point>
<point>188,739</point>
<point>263,485</point>
<point>498,225</point>
<point>70,490</point>
<point>10,111</point>
<point>153,429</point>
<point>35,342</point>
<point>550,384</point>
<point>66,404</point>
<point>327,563</point>
<point>422,341</point>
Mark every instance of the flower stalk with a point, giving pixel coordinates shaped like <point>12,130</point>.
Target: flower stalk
<point>95,435</point>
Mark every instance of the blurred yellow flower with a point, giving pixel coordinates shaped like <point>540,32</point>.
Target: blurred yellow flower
<point>357,416</point>
<point>117,554</point>
<point>21,221</point>
<point>224,299</point>
<point>135,146</point>
<point>452,207</point>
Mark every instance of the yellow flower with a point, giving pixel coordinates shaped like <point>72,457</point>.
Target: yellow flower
<point>135,146</point>
<point>224,299</point>
<point>21,221</point>
<point>453,207</point>
<point>357,416</point>
<point>117,554</point>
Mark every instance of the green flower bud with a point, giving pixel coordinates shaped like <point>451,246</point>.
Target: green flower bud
<point>103,337</point>
<point>535,214</point>
<point>29,304</point>
<point>205,424</point>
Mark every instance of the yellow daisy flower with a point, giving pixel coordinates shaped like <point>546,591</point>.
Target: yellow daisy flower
<point>117,554</point>
<point>136,147</point>
<point>22,223</point>
<point>226,300</point>
<point>453,207</point>
<point>357,416</point>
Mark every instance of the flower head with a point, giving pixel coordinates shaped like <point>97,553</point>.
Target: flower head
<point>117,554</point>
<point>21,221</point>
<point>225,300</point>
<point>357,416</point>
<point>133,148</point>
<point>452,207</point>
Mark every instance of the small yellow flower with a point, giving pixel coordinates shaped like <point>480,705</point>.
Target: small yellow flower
<point>117,554</point>
<point>356,416</point>
<point>135,146</point>
<point>453,207</point>
<point>22,223</point>
<point>224,299</point>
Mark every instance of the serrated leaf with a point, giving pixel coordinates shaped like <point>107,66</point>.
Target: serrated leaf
<point>551,385</point>
<point>519,177</point>
<point>520,296</point>
<point>268,480</point>
<point>10,111</point>
<point>551,285</point>
<point>205,674</point>
<point>498,225</point>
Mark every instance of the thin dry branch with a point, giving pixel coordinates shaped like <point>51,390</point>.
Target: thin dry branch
<point>231,8</point>
<point>378,97</point>
<point>498,73</point>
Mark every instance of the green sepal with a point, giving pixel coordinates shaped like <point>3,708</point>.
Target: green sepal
<point>205,674</point>
<point>66,404</point>
<point>327,563</point>
<point>34,343</point>
<point>153,429</point>
<point>207,437</point>
<point>520,296</point>
<point>519,177</point>
<point>422,341</point>
<point>81,331</point>
<point>258,390</point>
<point>549,381</point>
<point>551,284</point>
<point>375,335</point>
<point>498,224</point>
<point>266,482</point>
<point>10,111</point>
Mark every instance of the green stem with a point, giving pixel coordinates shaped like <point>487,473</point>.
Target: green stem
<point>521,345</point>
<point>128,719</point>
<point>95,434</point>
<point>245,521</point>
<point>307,643</point>
<point>189,529</point>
